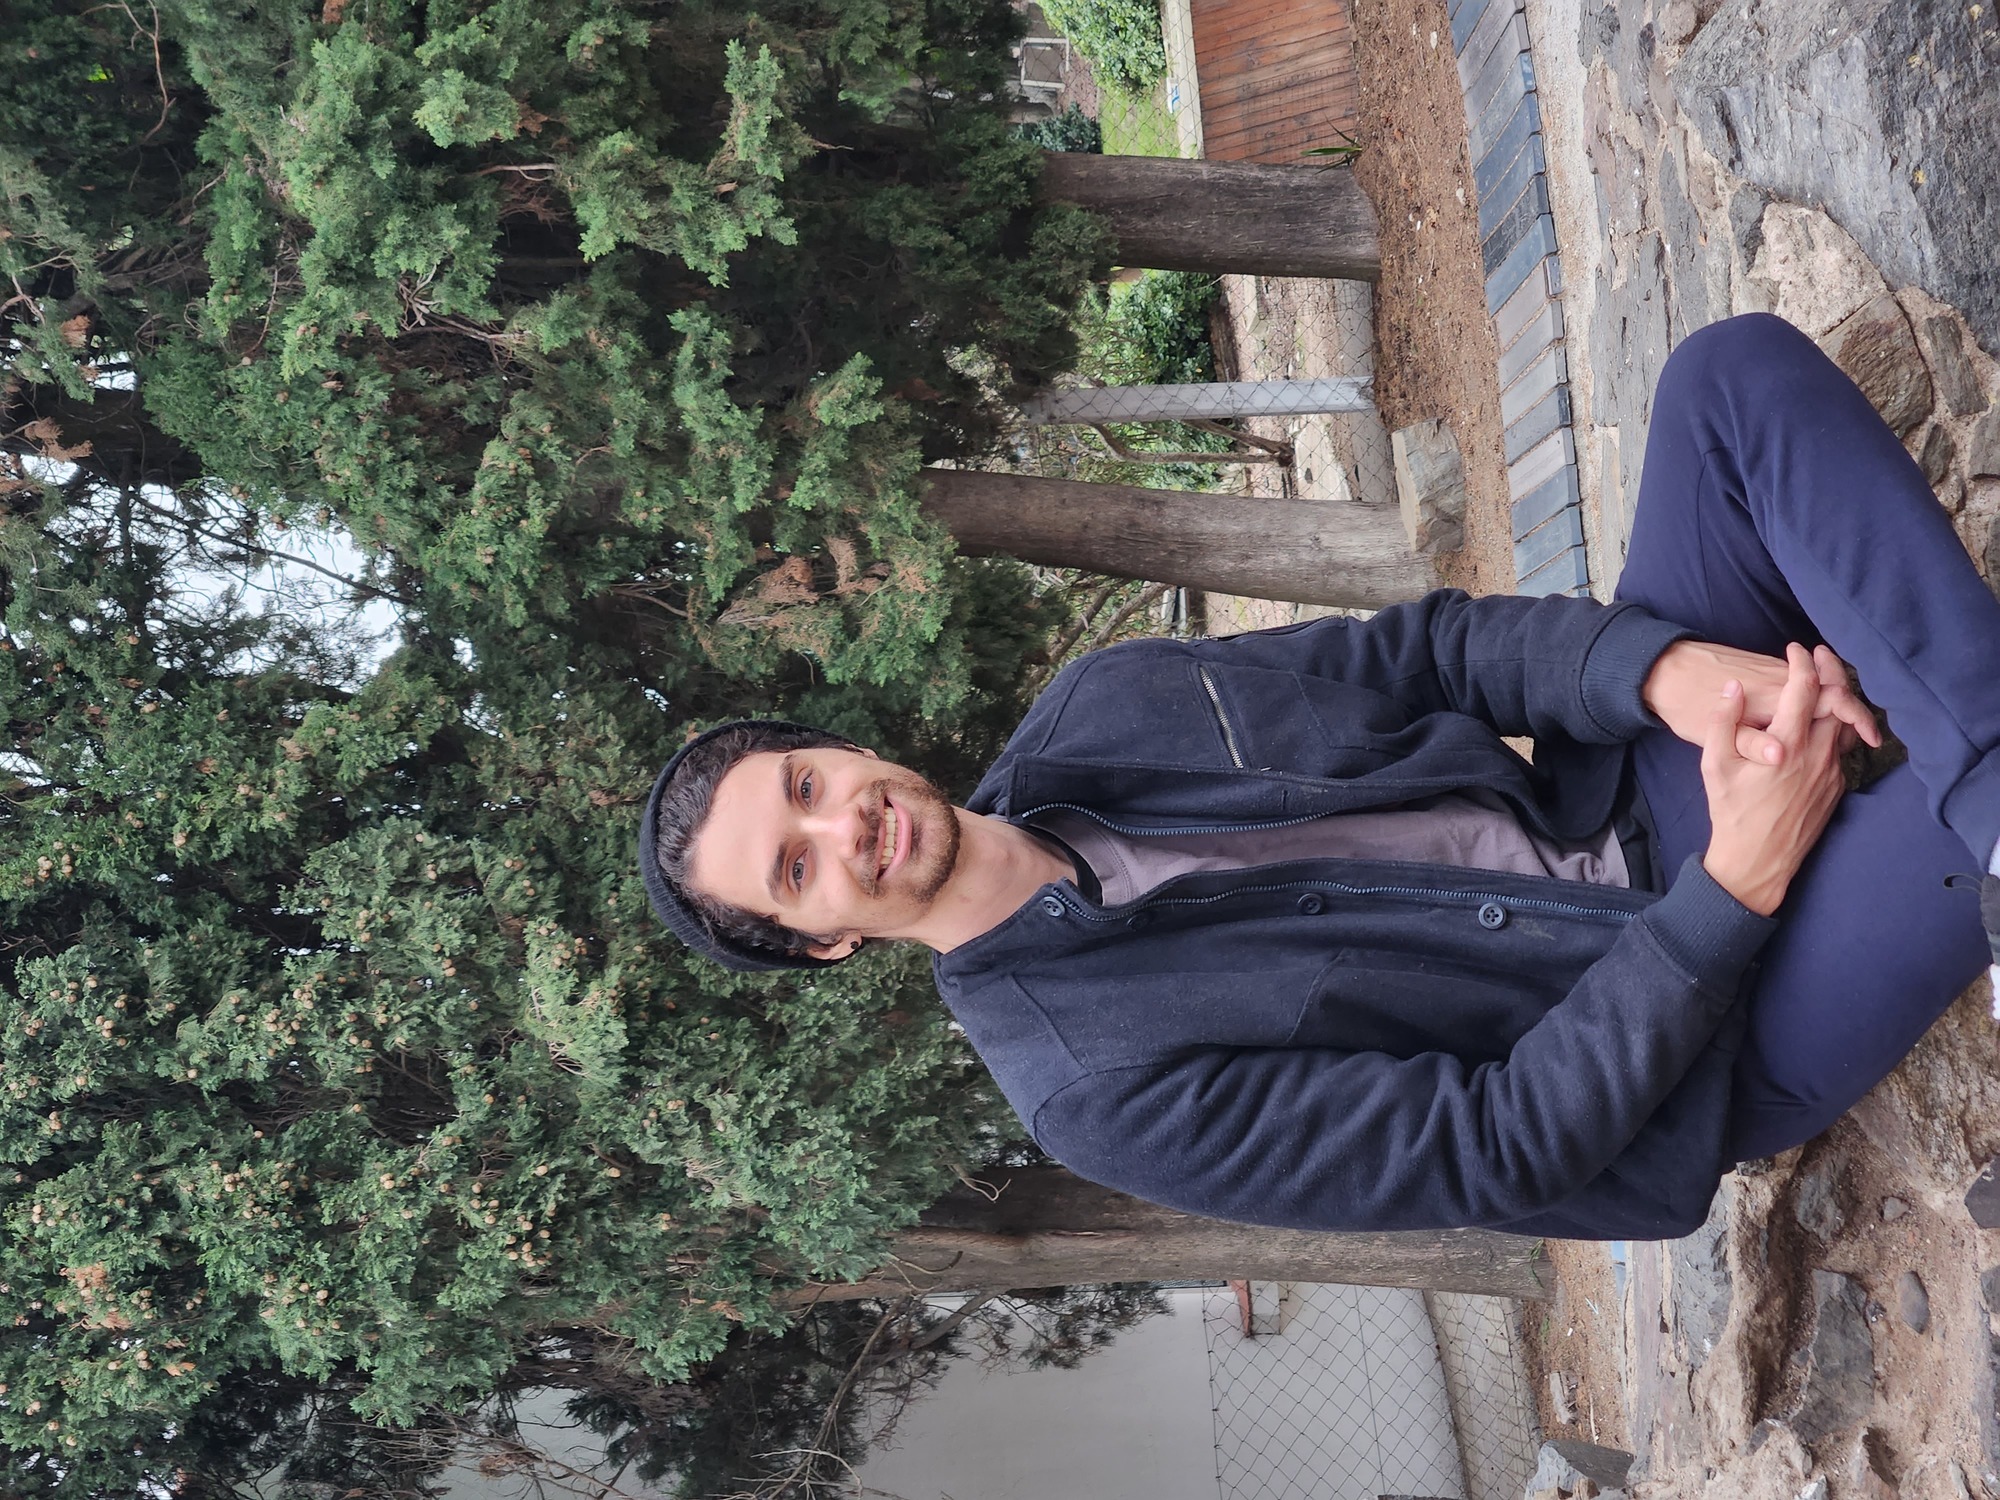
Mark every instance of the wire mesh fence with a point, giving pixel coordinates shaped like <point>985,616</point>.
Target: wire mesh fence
<point>1357,1393</point>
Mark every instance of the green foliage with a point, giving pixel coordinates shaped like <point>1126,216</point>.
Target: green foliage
<point>340,1041</point>
<point>1122,38</point>
<point>342,1066</point>
<point>1071,130</point>
<point>552,298</point>
<point>1154,331</point>
<point>1341,155</point>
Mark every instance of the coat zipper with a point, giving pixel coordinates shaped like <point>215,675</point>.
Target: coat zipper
<point>1228,734</point>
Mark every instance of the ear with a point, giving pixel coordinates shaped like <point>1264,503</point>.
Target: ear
<point>869,753</point>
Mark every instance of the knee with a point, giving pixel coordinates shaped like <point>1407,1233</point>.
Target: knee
<point>1755,366</point>
<point>1746,343</point>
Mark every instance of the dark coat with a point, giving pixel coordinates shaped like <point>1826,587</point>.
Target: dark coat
<point>1345,1044</point>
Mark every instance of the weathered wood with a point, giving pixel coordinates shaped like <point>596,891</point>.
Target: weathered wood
<point>1275,81</point>
<point>1218,216</point>
<point>1044,1226</point>
<point>1306,551</point>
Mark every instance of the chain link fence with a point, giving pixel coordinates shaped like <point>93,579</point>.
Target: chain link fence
<point>1357,1393</point>
<point>1288,362</point>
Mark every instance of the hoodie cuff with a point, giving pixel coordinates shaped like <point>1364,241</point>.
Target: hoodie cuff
<point>1705,930</point>
<point>1617,665</point>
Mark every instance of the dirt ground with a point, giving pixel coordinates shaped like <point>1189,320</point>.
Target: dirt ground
<point>1434,351</point>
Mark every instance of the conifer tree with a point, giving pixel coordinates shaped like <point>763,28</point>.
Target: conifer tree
<point>340,1058</point>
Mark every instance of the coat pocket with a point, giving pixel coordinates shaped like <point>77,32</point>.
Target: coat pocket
<point>1405,1005</point>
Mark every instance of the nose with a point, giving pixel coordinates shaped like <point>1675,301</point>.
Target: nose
<point>845,831</point>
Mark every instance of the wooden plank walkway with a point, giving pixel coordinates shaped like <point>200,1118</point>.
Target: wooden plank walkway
<point>1276,77</point>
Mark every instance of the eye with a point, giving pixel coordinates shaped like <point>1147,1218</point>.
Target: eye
<point>806,790</point>
<point>798,873</point>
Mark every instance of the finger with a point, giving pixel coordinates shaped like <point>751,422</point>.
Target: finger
<point>1718,748</point>
<point>1757,744</point>
<point>1837,696</point>
<point>1824,744</point>
<point>1796,698</point>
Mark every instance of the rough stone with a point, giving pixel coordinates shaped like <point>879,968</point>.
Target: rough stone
<point>1839,1381</point>
<point>1813,272</point>
<point>1746,221</point>
<point>1559,1398</point>
<point>1677,21</point>
<point>1568,1466</point>
<point>1982,449</point>
<point>1989,1405</point>
<point>1893,1209</point>
<point>1816,1198</point>
<point>1877,347</point>
<point>1870,1470</point>
<point>1700,1291</point>
<point>1430,486</point>
<point>1936,456</point>
<point>1958,381</point>
<point>1991,555</point>
<point>1913,1303</point>
<point>1691,304</point>
<point>1882,111</point>
<point>1982,1197</point>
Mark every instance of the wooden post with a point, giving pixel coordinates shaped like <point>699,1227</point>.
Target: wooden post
<point>1044,1226</point>
<point>1307,551</point>
<point>1223,216</point>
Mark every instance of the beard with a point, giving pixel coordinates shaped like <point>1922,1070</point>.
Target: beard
<point>934,834</point>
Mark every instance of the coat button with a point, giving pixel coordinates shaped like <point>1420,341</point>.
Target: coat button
<point>1493,916</point>
<point>1053,905</point>
<point>1311,904</point>
<point>1139,920</point>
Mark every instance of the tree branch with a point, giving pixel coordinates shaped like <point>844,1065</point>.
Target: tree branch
<point>269,551</point>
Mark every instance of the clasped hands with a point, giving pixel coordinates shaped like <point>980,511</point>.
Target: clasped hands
<point>1771,733</point>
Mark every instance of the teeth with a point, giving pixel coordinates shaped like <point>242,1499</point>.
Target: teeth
<point>888,838</point>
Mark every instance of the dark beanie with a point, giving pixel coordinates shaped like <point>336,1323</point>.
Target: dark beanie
<point>688,924</point>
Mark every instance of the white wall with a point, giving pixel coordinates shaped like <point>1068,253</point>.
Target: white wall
<point>1133,1422</point>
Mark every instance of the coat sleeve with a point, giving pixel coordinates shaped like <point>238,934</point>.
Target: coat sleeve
<point>1524,666</point>
<point>1314,1138</point>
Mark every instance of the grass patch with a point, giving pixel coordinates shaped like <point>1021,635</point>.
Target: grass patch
<point>1137,124</point>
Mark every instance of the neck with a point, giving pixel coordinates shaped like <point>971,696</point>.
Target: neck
<point>999,867</point>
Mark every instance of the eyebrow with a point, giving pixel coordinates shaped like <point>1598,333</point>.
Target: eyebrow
<point>774,881</point>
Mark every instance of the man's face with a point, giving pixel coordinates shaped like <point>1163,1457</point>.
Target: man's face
<point>828,841</point>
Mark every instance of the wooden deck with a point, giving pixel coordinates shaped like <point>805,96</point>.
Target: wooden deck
<point>1276,77</point>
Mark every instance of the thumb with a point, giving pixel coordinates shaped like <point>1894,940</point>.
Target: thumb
<point>1718,748</point>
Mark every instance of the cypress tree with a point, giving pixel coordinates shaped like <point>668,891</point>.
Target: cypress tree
<point>340,1058</point>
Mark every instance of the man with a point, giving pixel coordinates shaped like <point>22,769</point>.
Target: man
<point>1277,929</point>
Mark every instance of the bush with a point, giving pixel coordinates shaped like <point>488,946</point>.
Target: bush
<point>1072,130</point>
<point>1122,38</point>
<point>1157,332</point>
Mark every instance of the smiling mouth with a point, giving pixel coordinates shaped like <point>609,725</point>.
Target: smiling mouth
<point>892,845</point>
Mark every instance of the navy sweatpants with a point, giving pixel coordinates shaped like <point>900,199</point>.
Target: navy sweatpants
<point>1776,506</point>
